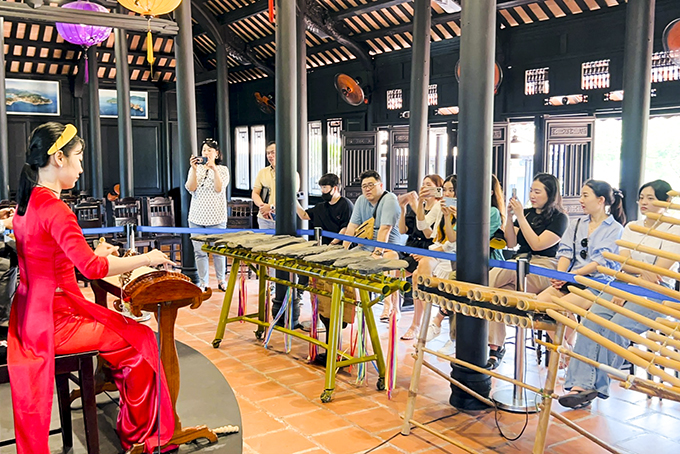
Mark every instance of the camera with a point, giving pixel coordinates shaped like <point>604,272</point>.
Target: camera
<point>202,160</point>
<point>439,192</point>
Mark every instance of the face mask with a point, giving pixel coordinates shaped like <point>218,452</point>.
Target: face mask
<point>326,197</point>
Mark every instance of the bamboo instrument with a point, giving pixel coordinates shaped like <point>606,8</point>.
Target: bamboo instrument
<point>660,217</point>
<point>628,334</point>
<point>612,346</point>
<point>524,322</point>
<point>625,312</point>
<point>509,300</point>
<point>536,306</point>
<point>627,278</point>
<point>639,300</point>
<point>641,265</point>
<point>672,193</point>
<point>489,315</point>
<point>498,317</point>
<point>482,294</point>
<point>465,309</point>
<point>651,357</point>
<point>496,299</point>
<point>667,205</point>
<point>669,323</point>
<point>672,305</point>
<point>663,339</point>
<point>655,233</point>
<point>649,250</point>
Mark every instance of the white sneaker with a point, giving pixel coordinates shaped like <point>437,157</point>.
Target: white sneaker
<point>432,332</point>
<point>449,348</point>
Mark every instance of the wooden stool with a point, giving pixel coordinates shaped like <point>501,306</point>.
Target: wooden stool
<point>64,365</point>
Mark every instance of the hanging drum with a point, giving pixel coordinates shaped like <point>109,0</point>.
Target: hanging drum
<point>497,75</point>
<point>349,90</point>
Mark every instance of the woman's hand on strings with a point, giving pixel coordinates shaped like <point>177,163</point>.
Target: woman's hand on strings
<point>157,258</point>
<point>105,249</point>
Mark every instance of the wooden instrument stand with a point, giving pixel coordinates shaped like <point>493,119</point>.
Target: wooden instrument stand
<point>151,290</point>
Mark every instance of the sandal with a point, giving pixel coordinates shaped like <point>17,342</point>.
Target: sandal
<point>387,311</point>
<point>410,334</point>
<point>495,357</point>
<point>578,399</point>
<point>222,286</point>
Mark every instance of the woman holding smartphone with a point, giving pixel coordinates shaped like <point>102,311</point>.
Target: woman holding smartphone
<point>419,215</point>
<point>537,231</point>
<point>207,184</point>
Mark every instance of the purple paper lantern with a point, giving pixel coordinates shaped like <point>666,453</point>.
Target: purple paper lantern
<point>84,35</point>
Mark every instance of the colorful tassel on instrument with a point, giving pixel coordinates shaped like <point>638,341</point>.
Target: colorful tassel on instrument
<point>360,350</point>
<point>391,366</point>
<point>271,11</point>
<point>288,339</point>
<point>242,293</point>
<point>314,330</point>
<point>282,313</point>
<point>267,299</point>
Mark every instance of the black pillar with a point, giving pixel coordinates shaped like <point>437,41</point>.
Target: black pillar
<point>540,164</point>
<point>83,182</point>
<point>127,181</point>
<point>476,91</point>
<point>637,83</point>
<point>94,144</point>
<point>303,154</point>
<point>223,122</point>
<point>286,116</point>
<point>186,122</point>
<point>4,144</point>
<point>420,80</point>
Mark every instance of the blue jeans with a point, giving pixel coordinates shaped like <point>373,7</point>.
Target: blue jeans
<point>587,377</point>
<point>265,224</point>
<point>202,263</point>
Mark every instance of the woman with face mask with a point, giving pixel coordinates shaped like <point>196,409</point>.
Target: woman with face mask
<point>584,381</point>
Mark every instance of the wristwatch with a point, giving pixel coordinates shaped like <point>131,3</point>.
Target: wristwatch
<point>378,253</point>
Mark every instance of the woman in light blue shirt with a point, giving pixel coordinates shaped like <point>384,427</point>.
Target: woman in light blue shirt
<point>585,240</point>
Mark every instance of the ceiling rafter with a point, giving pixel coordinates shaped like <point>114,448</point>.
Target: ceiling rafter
<point>244,13</point>
<point>366,8</point>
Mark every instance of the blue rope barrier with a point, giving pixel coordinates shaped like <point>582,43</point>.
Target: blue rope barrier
<point>508,265</point>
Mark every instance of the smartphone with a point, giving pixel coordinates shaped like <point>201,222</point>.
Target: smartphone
<point>438,192</point>
<point>514,193</point>
<point>202,160</point>
<point>451,202</point>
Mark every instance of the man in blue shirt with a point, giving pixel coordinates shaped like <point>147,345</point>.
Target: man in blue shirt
<point>383,206</point>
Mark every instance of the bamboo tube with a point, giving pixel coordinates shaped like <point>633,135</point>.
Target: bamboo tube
<point>536,306</point>
<point>668,323</point>
<point>651,357</point>
<point>449,288</point>
<point>465,309</point>
<point>524,322</point>
<point>654,390</point>
<point>673,305</point>
<point>438,434</point>
<point>470,295</point>
<point>483,294</point>
<point>673,193</point>
<point>628,334</point>
<point>509,320</point>
<point>421,280</point>
<point>639,300</point>
<point>649,250</point>
<point>498,317</point>
<point>474,310</point>
<point>489,315</point>
<point>509,300</point>
<point>641,265</point>
<point>655,233</point>
<point>663,339</point>
<point>612,346</point>
<point>627,278</point>
<point>625,312</point>
<point>496,299</point>
<point>450,305</point>
<point>584,432</point>
<point>662,218</point>
<point>457,307</point>
<point>617,374</point>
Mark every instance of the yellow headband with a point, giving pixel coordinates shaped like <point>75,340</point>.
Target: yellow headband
<point>69,133</point>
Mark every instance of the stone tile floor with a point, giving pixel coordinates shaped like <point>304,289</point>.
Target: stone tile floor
<point>278,394</point>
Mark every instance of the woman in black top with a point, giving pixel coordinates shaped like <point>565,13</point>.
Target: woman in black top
<point>538,231</point>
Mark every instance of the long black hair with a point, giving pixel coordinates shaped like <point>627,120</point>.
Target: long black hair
<point>440,236</point>
<point>612,197</point>
<point>661,189</point>
<point>552,189</point>
<point>40,140</point>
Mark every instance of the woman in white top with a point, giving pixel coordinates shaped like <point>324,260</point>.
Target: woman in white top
<point>586,382</point>
<point>207,184</point>
<point>419,215</point>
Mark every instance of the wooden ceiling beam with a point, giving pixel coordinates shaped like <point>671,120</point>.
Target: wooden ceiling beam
<point>244,13</point>
<point>367,8</point>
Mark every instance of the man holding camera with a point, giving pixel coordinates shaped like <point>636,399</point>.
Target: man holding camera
<point>264,190</point>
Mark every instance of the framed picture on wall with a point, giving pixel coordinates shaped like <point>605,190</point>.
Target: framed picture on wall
<point>108,104</point>
<point>32,97</point>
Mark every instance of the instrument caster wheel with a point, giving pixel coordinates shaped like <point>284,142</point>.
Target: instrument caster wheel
<point>259,335</point>
<point>216,343</point>
<point>380,384</point>
<point>327,396</point>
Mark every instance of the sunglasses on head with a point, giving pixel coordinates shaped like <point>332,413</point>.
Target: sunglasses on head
<point>212,143</point>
